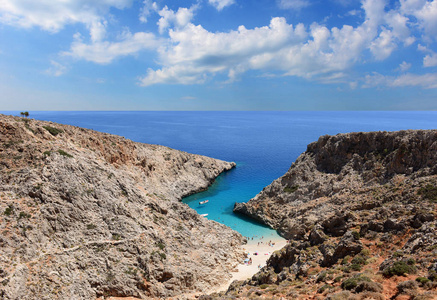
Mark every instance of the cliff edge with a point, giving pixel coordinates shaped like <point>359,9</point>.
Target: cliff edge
<point>359,210</point>
<point>85,214</point>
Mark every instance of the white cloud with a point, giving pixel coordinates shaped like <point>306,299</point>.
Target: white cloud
<point>56,69</point>
<point>147,9</point>
<point>196,54</point>
<point>98,31</point>
<point>220,4</point>
<point>430,60</point>
<point>191,54</point>
<point>425,12</point>
<point>179,19</point>
<point>423,48</point>
<point>427,81</point>
<point>104,52</point>
<point>400,28</point>
<point>53,15</point>
<point>383,46</point>
<point>293,4</point>
<point>404,66</point>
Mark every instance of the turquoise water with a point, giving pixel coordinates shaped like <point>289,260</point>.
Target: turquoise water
<point>263,144</point>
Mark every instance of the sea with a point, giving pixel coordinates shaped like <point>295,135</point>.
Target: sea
<point>262,143</point>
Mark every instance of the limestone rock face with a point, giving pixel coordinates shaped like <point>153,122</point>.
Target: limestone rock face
<point>354,171</point>
<point>85,214</point>
<point>359,211</point>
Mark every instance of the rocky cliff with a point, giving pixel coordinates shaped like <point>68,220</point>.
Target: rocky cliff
<point>360,212</point>
<point>85,214</point>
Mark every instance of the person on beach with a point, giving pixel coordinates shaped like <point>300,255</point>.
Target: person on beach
<point>250,261</point>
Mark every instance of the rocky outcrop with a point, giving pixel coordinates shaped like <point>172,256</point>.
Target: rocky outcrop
<point>358,171</point>
<point>360,212</point>
<point>85,214</point>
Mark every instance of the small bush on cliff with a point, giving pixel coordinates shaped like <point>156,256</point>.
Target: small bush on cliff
<point>422,280</point>
<point>399,268</point>
<point>429,192</point>
<point>53,131</point>
<point>9,210</point>
<point>291,189</point>
<point>352,282</point>
<point>356,235</point>
<point>63,153</point>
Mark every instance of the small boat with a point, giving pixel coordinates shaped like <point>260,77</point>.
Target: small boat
<point>204,202</point>
<point>203,215</point>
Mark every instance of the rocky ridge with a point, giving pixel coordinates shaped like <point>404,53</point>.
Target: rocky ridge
<point>85,214</point>
<point>359,211</point>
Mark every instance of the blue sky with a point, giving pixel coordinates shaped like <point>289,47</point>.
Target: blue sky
<point>218,55</point>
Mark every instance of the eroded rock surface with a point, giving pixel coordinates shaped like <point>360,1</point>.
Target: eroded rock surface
<point>85,214</point>
<point>360,212</point>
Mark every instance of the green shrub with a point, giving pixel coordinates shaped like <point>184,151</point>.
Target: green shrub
<point>352,282</point>
<point>47,153</point>
<point>91,226</point>
<point>321,276</point>
<point>263,286</point>
<point>291,189</point>
<point>428,192</point>
<point>356,267</point>
<point>323,288</point>
<point>160,245</point>
<point>53,131</point>
<point>422,280</point>
<point>345,260</point>
<point>9,210</point>
<point>399,268</point>
<point>358,260</point>
<point>356,235</point>
<point>116,237</point>
<point>349,284</point>
<point>365,252</point>
<point>63,153</point>
<point>23,215</point>
<point>398,254</point>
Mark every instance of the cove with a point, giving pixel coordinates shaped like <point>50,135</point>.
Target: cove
<point>263,144</point>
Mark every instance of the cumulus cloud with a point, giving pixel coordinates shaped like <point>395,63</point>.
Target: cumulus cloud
<point>404,66</point>
<point>195,54</point>
<point>53,15</point>
<point>147,9</point>
<point>178,19</point>
<point>104,52</point>
<point>425,12</point>
<point>191,54</point>
<point>383,46</point>
<point>430,60</point>
<point>220,4</point>
<point>293,4</point>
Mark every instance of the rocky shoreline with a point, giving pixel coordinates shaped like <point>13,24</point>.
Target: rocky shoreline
<point>360,213</point>
<point>85,214</point>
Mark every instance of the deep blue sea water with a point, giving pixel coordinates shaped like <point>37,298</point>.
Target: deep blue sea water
<point>263,144</point>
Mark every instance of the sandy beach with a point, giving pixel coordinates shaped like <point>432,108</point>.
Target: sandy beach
<point>259,251</point>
